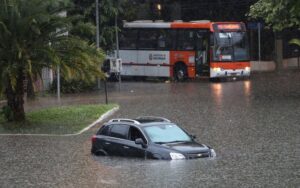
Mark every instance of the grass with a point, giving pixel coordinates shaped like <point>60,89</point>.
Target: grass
<point>2,97</point>
<point>57,120</point>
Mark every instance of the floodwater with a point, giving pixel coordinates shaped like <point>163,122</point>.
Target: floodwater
<point>254,126</point>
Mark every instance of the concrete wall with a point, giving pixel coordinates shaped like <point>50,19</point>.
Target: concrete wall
<point>262,66</point>
<point>291,63</point>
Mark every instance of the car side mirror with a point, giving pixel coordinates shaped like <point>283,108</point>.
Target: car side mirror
<point>140,141</point>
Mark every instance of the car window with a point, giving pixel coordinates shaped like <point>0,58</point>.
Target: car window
<point>135,133</point>
<point>119,131</point>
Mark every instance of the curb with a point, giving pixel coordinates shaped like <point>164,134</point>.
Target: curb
<point>102,117</point>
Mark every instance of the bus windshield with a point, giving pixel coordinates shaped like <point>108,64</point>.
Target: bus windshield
<point>230,46</point>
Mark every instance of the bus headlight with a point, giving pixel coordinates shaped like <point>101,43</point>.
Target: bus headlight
<point>217,69</point>
<point>247,69</point>
<point>176,156</point>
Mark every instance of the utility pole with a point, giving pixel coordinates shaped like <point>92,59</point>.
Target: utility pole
<point>62,14</point>
<point>97,34</point>
<point>98,45</point>
<point>259,41</point>
<point>58,83</point>
<point>117,50</point>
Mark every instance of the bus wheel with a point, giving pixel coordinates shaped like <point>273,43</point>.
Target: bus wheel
<point>180,72</point>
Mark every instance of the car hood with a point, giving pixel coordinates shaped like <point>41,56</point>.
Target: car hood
<point>187,147</point>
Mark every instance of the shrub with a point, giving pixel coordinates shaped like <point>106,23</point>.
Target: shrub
<point>73,86</point>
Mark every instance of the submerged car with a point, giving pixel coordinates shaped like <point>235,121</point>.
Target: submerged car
<point>147,137</point>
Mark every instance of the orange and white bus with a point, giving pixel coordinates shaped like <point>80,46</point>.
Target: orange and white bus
<point>184,49</point>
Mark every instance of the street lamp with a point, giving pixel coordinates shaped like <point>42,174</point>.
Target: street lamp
<point>158,6</point>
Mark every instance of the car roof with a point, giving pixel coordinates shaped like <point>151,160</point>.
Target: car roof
<point>142,121</point>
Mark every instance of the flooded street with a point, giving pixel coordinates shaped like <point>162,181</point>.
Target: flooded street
<point>254,126</point>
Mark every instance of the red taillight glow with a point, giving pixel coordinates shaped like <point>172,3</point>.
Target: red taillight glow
<point>94,138</point>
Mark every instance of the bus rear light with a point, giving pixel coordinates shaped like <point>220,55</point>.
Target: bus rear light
<point>247,69</point>
<point>217,69</point>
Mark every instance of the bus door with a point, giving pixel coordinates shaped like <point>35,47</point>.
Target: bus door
<point>201,60</point>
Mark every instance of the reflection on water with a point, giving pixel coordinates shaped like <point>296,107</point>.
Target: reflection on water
<point>247,87</point>
<point>220,91</point>
<point>155,173</point>
<point>247,91</point>
<point>217,93</point>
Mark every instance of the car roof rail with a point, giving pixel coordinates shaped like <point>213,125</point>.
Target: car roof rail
<point>153,119</point>
<point>124,120</point>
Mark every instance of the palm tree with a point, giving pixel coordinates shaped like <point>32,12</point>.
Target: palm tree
<point>33,36</point>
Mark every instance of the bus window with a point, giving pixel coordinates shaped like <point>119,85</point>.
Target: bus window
<point>185,40</point>
<point>165,39</point>
<point>147,39</point>
<point>231,46</point>
<point>162,39</point>
<point>128,39</point>
<point>211,40</point>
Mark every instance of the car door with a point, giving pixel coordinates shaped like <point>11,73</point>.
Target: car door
<point>116,143</point>
<point>135,150</point>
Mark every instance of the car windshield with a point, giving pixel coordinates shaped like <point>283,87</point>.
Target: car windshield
<point>166,134</point>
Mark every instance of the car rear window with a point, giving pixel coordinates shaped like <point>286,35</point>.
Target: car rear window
<point>119,131</point>
<point>104,130</point>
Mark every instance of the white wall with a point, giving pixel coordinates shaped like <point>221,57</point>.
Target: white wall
<point>291,63</point>
<point>262,66</point>
<point>270,65</point>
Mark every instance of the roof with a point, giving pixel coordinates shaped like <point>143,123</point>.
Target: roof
<point>142,120</point>
<point>198,24</point>
<point>204,24</point>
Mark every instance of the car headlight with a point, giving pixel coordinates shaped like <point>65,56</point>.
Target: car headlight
<point>247,69</point>
<point>176,156</point>
<point>213,153</point>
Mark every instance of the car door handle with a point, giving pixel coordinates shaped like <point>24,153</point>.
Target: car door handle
<point>125,147</point>
<point>107,143</point>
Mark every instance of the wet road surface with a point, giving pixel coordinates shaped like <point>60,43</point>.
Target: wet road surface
<point>253,125</point>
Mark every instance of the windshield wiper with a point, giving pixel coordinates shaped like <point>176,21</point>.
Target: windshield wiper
<point>160,142</point>
<point>176,141</point>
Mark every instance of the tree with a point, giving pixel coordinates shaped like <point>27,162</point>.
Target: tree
<point>33,36</point>
<point>277,14</point>
<point>109,9</point>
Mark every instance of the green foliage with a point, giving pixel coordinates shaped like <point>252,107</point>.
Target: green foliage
<point>295,41</point>
<point>1,97</point>
<point>108,10</point>
<point>56,120</point>
<point>7,113</point>
<point>73,86</point>
<point>277,14</point>
<point>35,35</point>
